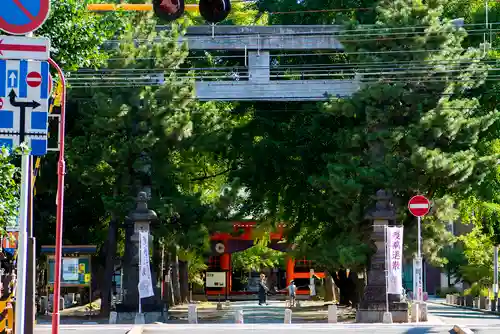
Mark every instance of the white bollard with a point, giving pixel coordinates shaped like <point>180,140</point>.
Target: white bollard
<point>113,316</point>
<point>288,316</point>
<point>332,314</point>
<point>238,317</point>
<point>415,312</point>
<point>139,319</point>
<point>192,314</point>
<point>387,319</point>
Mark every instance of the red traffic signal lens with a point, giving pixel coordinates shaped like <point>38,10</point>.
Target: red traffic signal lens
<point>214,11</point>
<point>168,10</point>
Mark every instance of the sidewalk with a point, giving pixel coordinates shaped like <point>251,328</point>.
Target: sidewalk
<point>454,315</point>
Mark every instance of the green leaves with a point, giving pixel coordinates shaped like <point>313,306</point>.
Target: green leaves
<point>9,190</point>
<point>77,35</point>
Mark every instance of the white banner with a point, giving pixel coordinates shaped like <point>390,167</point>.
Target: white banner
<point>395,260</point>
<point>145,282</point>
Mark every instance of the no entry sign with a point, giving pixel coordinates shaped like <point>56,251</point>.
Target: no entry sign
<point>419,205</point>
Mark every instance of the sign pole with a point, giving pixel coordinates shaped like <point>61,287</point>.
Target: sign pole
<point>387,262</point>
<point>419,206</point>
<point>22,245</point>
<point>419,258</point>
<point>61,170</point>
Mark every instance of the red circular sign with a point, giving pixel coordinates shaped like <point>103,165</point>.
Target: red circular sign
<point>24,16</point>
<point>1,103</point>
<point>419,205</point>
<point>34,79</point>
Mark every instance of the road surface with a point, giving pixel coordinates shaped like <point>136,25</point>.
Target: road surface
<point>84,329</point>
<point>269,320</point>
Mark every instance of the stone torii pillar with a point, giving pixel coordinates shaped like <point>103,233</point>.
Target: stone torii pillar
<point>138,219</point>
<point>373,305</point>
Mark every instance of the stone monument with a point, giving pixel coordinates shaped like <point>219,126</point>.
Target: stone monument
<point>139,219</point>
<point>373,304</point>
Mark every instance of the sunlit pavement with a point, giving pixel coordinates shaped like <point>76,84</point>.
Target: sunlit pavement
<point>269,319</point>
<point>85,329</point>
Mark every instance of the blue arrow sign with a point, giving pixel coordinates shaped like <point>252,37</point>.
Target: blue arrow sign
<point>12,76</point>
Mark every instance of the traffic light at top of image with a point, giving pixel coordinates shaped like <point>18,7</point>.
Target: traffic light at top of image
<point>168,10</point>
<point>213,11</point>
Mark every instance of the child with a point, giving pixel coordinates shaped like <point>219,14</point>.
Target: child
<point>291,293</point>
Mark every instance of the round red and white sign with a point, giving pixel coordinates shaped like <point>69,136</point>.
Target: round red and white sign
<point>419,205</point>
<point>1,103</point>
<point>34,79</point>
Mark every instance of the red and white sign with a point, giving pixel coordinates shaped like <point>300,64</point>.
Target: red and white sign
<point>34,79</point>
<point>1,103</point>
<point>419,205</point>
<point>12,47</point>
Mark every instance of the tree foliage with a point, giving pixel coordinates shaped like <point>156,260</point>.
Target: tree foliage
<point>9,189</point>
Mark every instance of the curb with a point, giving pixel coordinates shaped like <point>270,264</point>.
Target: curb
<point>137,329</point>
<point>460,329</point>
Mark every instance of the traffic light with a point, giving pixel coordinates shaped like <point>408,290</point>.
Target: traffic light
<point>214,11</point>
<point>168,10</point>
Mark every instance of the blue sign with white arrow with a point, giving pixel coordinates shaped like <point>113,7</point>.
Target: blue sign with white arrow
<point>12,76</point>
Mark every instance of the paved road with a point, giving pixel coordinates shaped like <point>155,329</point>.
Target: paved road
<point>307,328</point>
<point>269,320</point>
<point>84,329</point>
<point>475,320</point>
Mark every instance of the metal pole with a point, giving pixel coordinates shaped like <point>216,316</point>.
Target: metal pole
<point>386,272</point>
<point>61,170</point>
<point>495,278</point>
<point>22,246</point>
<point>31,277</point>
<point>140,269</point>
<point>419,258</point>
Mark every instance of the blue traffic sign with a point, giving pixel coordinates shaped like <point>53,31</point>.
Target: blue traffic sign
<point>20,17</point>
<point>12,76</point>
<point>24,104</point>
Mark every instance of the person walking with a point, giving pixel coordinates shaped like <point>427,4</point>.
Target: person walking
<point>291,293</point>
<point>263,289</point>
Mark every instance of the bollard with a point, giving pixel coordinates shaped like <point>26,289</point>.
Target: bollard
<point>332,314</point>
<point>415,312</point>
<point>238,317</point>
<point>139,319</point>
<point>288,316</point>
<point>387,318</point>
<point>113,316</point>
<point>192,314</point>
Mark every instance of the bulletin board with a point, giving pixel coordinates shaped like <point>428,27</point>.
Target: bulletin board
<point>75,271</point>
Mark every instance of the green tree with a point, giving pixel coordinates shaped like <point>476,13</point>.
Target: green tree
<point>257,258</point>
<point>407,130</point>
<point>9,190</point>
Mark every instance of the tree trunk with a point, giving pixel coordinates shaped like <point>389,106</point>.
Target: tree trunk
<point>175,276</point>
<point>347,287</point>
<point>184,281</point>
<point>109,267</point>
<point>329,288</point>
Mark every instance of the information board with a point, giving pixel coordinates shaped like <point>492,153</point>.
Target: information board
<point>75,271</point>
<point>215,279</point>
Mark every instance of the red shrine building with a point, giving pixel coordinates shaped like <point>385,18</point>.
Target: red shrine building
<point>224,244</point>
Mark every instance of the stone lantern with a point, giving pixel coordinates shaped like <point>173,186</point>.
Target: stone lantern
<point>138,220</point>
<point>373,304</point>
